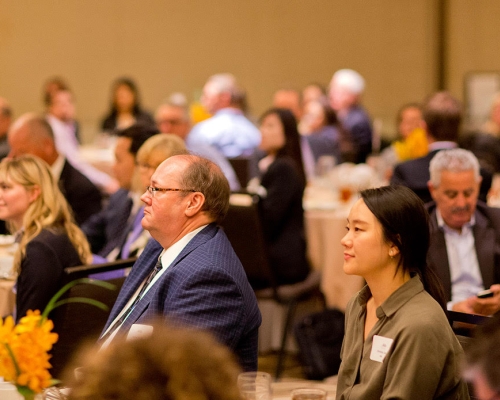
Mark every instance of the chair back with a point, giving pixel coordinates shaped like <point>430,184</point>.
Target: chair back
<point>76,323</point>
<point>243,229</point>
<point>241,166</point>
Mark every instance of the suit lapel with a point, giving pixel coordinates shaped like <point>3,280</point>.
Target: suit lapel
<point>484,241</point>
<point>438,255</point>
<point>201,238</point>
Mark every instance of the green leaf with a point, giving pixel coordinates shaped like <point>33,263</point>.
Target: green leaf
<point>53,303</point>
<point>26,392</point>
<point>93,302</point>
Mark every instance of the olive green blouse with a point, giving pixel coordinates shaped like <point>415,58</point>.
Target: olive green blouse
<point>421,357</point>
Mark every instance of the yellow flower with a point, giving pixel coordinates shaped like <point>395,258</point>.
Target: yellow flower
<point>414,146</point>
<point>29,341</point>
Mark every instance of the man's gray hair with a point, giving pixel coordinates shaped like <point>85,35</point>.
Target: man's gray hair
<point>179,100</point>
<point>224,83</point>
<point>350,80</point>
<point>454,160</point>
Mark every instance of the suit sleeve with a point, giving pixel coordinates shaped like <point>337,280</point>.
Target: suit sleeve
<point>210,300</point>
<point>282,184</point>
<point>95,230</point>
<point>40,278</point>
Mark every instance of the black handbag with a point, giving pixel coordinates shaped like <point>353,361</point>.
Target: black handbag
<point>319,337</point>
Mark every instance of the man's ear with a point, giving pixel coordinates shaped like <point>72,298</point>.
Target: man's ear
<point>431,188</point>
<point>194,204</point>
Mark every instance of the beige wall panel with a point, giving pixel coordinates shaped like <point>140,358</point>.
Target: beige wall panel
<point>474,38</point>
<point>175,45</point>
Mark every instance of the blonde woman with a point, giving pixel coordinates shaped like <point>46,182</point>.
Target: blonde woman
<point>49,240</point>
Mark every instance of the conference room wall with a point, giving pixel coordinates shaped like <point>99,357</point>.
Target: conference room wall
<point>171,46</point>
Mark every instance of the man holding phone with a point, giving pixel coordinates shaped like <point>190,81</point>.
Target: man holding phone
<point>465,234</point>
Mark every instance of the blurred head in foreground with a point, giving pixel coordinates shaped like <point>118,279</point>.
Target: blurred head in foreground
<point>482,360</point>
<point>171,364</point>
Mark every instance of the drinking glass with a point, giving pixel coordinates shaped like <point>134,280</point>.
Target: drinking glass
<point>254,385</point>
<point>308,394</point>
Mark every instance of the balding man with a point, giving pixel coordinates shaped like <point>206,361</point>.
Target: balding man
<point>189,273</point>
<point>173,117</point>
<point>228,129</point>
<point>5,121</point>
<point>31,134</point>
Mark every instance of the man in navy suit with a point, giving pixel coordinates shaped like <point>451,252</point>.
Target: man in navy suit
<point>442,116</point>
<point>189,273</point>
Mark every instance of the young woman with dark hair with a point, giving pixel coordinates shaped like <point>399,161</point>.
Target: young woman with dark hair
<point>125,107</point>
<point>398,343</point>
<point>280,207</point>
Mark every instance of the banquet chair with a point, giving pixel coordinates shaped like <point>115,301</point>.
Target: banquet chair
<point>76,323</point>
<point>241,166</point>
<point>243,228</point>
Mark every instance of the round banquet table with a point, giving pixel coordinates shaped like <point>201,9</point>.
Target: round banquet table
<point>324,229</point>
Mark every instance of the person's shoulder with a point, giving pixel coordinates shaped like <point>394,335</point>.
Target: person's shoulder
<point>73,177</point>
<point>423,315</point>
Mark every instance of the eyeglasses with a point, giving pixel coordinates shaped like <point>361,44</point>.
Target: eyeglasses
<point>152,190</point>
<point>144,166</point>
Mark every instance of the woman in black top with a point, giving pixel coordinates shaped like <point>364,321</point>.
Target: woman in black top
<point>283,178</point>
<point>125,107</point>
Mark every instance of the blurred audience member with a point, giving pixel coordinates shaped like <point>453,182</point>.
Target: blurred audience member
<point>152,153</point>
<point>228,129</point>
<point>61,117</point>
<point>442,115</point>
<point>322,130</point>
<point>189,273</point>
<point>492,126</point>
<point>482,360</point>
<point>398,343</point>
<point>5,121</point>
<point>32,134</point>
<point>412,139</point>
<point>52,86</point>
<point>346,88</point>
<point>171,364</point>
<point>313,91</point>
<point>281,189</point>
<point>49,240</point>
<point>465,234</point>
<point>106,229</point>
<point>173,117</point>
<point>125,109</point>
<point>411,130</point>
<point>289,99</point>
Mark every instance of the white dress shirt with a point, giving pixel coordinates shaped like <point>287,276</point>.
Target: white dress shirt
<point>466,279</point>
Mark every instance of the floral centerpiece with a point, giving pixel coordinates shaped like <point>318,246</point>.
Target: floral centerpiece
<point>25,347</point>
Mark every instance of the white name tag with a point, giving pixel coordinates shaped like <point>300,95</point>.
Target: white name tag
<point>380,347</point>
<point>138,331</point>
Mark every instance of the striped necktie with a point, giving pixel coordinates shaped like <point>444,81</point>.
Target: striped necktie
<point>129,310</point>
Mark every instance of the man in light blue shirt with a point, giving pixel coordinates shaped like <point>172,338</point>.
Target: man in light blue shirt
<point>465,234</point>
<point>172,116</point>
<point>228,129</point>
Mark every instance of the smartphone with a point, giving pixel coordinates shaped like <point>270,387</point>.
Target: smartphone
<point>484,294</point>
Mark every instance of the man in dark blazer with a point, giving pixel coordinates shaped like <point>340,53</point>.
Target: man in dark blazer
<point>108,230</point>
<point>465,234</point>
<point>442,116</point>
<point>31,134</point>
<point>189,273</point>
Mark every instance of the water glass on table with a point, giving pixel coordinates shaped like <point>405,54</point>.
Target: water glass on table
<point>255,385</point>
<point>308,394</point>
